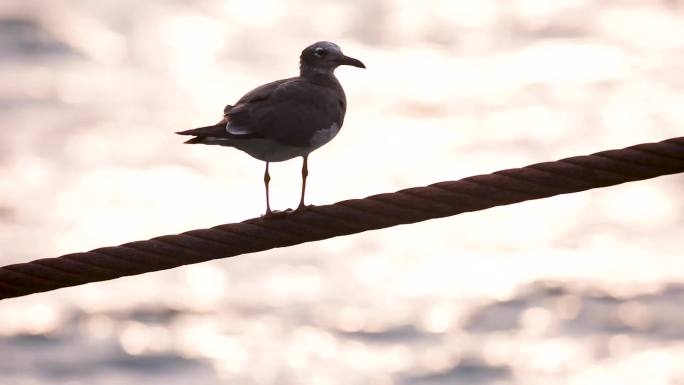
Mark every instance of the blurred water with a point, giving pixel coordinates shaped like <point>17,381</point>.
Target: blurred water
<point>579,289</point>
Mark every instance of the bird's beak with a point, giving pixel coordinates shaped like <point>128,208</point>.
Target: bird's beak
<point>350,61</point>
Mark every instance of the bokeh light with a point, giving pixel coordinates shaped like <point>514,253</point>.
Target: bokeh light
<point>577,289</point>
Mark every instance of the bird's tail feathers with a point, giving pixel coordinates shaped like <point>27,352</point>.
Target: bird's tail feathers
<point>204,131</point>
<point>195,140</point>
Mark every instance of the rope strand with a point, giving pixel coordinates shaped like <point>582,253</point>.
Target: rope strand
<point>315,223</point>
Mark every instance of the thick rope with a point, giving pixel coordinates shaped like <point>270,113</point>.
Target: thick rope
<point>411,205</point>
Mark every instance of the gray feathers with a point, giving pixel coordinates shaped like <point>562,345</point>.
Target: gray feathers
<point>298,114</point>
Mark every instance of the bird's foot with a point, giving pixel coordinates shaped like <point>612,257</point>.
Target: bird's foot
<point>276,213</point>
<point>301,207</point>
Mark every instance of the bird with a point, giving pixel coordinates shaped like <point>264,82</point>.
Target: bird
<point>287,118</point>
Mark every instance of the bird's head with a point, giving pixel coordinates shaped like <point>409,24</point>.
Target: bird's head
<point>323,57</point>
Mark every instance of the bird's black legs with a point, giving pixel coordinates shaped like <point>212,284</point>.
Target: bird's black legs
<point>267,178</point>
<point>305,173</point>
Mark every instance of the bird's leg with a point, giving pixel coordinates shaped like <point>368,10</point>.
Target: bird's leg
<point>267,178</point>
<point>305,173</point>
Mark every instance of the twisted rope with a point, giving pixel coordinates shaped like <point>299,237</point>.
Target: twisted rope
<point>411,205</point>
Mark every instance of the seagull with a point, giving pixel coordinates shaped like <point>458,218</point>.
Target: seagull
<point>286,118</point>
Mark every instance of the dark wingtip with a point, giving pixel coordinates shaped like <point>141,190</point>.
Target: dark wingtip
<point>194,140</point>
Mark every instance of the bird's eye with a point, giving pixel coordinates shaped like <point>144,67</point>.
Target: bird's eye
<point>320,52</point>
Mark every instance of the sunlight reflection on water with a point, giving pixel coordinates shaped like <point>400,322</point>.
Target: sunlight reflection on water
<point>578,289</point>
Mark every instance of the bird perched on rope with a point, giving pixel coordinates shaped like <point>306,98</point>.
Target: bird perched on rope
<point>286,118</point>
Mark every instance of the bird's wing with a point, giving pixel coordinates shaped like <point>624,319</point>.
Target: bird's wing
<point>239,123</point>
<point>288,111</point>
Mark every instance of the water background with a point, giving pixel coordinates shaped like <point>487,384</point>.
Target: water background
<point>578,289</point>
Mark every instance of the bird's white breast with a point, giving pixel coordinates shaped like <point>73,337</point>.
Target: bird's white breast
<point>324,135</point>
<point>272,151</point>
